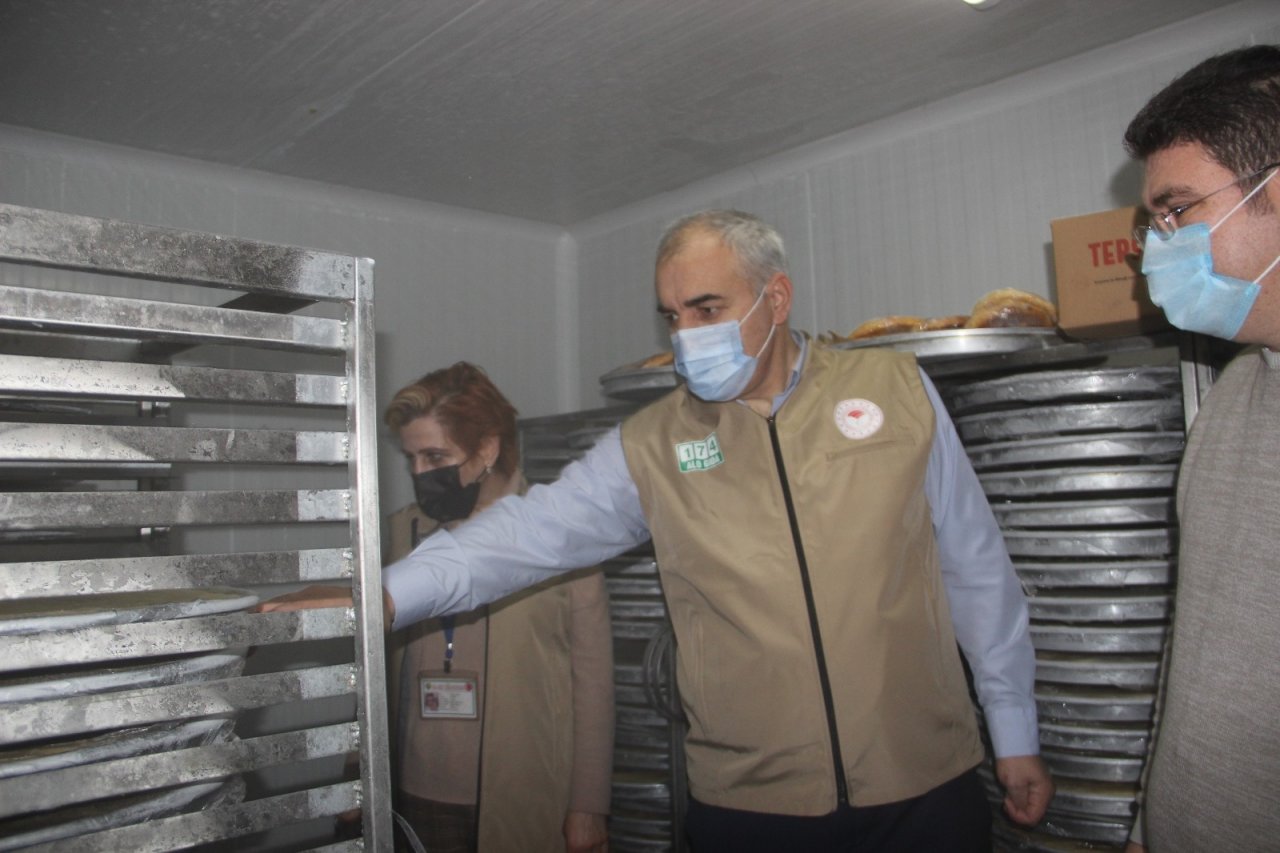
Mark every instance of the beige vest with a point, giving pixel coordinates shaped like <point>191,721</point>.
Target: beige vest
<point>527,736</point>
<point>730,558</point>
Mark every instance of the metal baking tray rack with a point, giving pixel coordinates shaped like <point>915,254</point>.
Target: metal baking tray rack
<point>186,428</point>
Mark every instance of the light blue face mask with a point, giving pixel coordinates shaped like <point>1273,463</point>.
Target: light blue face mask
<point>1181,280</point>
<point>712,361</point>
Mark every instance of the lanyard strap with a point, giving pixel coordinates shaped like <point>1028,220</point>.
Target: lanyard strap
<point>447,623</point>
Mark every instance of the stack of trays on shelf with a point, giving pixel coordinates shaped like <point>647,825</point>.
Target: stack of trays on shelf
<point>648,784</point>
<point>1079,467</point>
<point>644,737</point>
<point>93,753</point>
<point>547,444</point>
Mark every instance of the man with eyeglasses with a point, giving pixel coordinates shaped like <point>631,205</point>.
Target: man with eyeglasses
<point>1211,145</point>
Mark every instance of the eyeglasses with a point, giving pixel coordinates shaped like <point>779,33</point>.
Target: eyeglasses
<point>1164,224</point>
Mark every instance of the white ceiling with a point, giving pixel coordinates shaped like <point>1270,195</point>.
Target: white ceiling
<point>550,110</point>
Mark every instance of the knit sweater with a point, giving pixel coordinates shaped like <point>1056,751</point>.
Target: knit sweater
<point>1215,771</point>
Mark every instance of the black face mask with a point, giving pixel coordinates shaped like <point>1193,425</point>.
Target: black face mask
<point>441,495</point>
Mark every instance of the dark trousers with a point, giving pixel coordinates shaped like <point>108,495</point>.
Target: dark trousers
<point>952,818</point>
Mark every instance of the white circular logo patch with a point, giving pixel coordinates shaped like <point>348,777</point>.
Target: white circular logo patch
<point>858,418</point>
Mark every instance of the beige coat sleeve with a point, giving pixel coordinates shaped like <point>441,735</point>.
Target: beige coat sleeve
<point>591,658</point>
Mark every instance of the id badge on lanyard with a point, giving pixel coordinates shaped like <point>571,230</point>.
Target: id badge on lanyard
<point>448,693</point>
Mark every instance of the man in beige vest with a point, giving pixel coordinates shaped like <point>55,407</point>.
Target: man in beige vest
<point>822,542</point>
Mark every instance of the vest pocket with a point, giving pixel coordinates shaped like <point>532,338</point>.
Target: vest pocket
<point>690,666</point>
<point>870,445</point>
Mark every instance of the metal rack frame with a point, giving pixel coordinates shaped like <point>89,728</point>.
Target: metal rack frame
<point>140,337</point>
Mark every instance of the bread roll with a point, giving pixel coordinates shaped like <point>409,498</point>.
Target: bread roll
<point>894,324</point>
<point>661,359</point>
<point>1011,307</point>
<point>938,324</point>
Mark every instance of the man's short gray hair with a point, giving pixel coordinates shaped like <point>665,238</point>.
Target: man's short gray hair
<point>757,246</point>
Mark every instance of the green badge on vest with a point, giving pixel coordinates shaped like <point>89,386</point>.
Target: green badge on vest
<point>699,455</point>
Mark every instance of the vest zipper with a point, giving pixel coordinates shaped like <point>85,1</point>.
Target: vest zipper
<point>842,787</point>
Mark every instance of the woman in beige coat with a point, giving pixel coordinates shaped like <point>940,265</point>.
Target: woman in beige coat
<point>504,716</point>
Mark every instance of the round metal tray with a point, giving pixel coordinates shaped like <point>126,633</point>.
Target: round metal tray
<point>1140,447</point>
<point>1129,672</point>
<point>1100,607</point>
<point>644,738</point>
<point>630,694</point>
<point>1093,768</point>
<point>1100,799</point>
<point>959,343</point>
<point>541,474</point>
<point>627,715</point>
<point>639,383</point>
<point>636,629</point>
<point>1009,838</point>
<point>639,758</point>
<point>65,613</point>
<point>1099,705</point>
<point>59,824</point>
<point>639,785</point>
<point>78,681</point>
<point>1057,481</point>
<point>1127,739</point>
<point>585,439</point>
<point>1099,639</point>
<point>1085,829</point>
<point>630,564</point>
<point>1102,544</point>
<point>1071,418</point>
<point>627,673</point>
<point>124,743</point>
<point>1096,574</point>
<point>1114,383</point>
<point>1099,513</point>
<point>556,455</point>
<point>637,822</point>
<point>629,607</point>
<point>634,586</point>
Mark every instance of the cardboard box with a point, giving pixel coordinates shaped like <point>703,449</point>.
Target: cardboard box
<point>1101,292</point>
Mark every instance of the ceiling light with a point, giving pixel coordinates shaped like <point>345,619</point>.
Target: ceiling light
<point>981,4</point>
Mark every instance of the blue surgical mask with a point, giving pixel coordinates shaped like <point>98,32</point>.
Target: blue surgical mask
<point>1181,280</point>
<point>711,358</point>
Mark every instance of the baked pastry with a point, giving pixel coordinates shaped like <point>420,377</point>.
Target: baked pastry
<point>894,324</point>
<point>938,324</point>
<point>661,359</point>
<point>1011,307</point>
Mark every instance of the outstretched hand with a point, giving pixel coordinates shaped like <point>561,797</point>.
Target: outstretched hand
<point>1027,785</point>
<point>320,596</point>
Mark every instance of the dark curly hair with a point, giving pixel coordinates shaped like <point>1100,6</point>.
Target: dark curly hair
<point>469,406</point>
<point>1229,103</point>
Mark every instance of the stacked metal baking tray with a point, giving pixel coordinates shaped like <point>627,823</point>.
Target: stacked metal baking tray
<point>648,777</point>
<point>1078,463</point>
<point>175,445</point>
